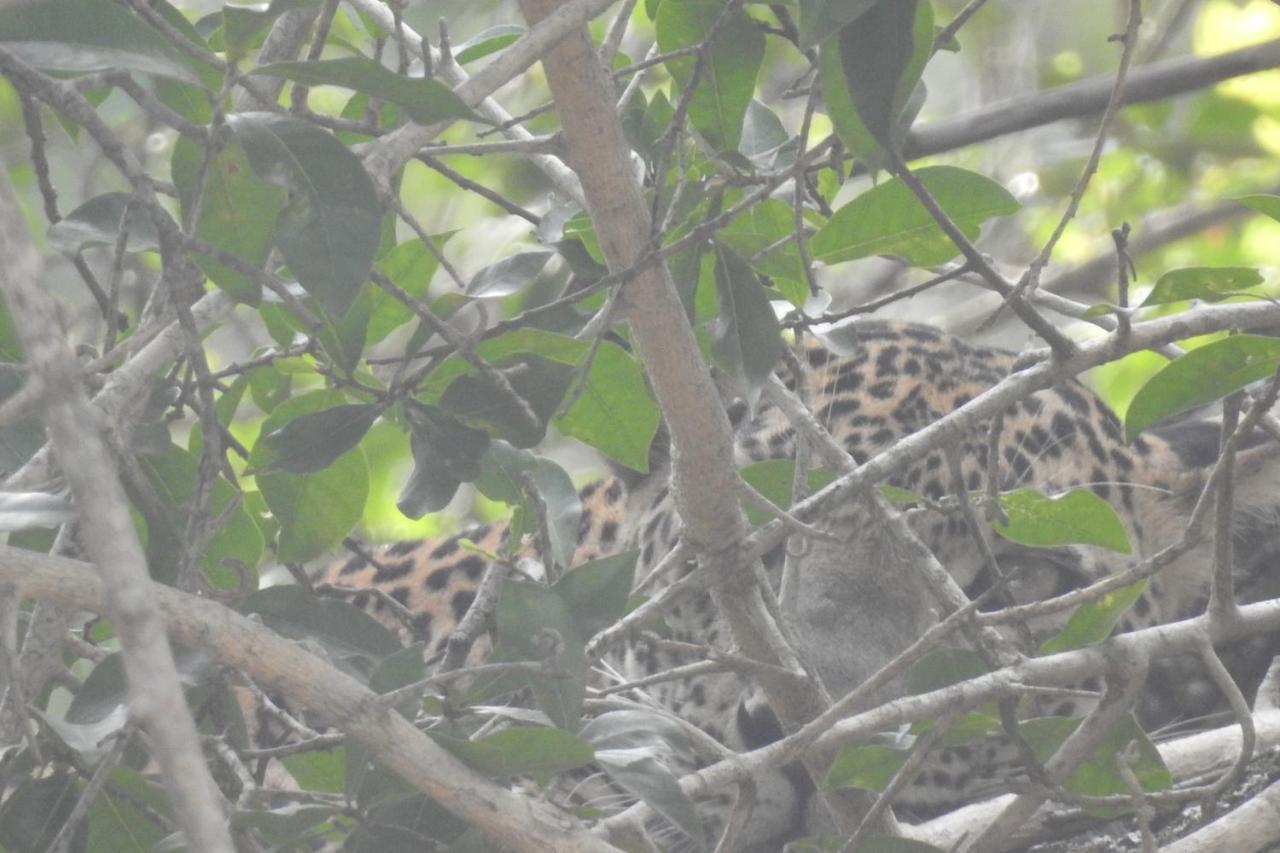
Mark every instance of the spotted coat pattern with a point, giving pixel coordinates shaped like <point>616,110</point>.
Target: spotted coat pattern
<point>897,378</point>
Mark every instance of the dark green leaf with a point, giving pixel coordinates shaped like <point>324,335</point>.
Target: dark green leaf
<point>315,510</point>
<point>343,629</point>
<point>486,42</point>
<point>238,212</point>
<point>172,473</point>
<point>445,455</point>
<point>1203,375</point>
<point>425,100</point>
<point>502,478</point>
<point>87,36</point>
<point>1093,621</point>
<point>105,689</point>
<point>1078,517</point>
<point>843,114</point>
<point>120,820</point>
<point>882,54</point>
<point>597,591</point>
<point>244,26</point>
<point>97,221</point>
<point>397,822</point>
<point>759,227</point>
<point>1212,284</point>
<point>330,228</point>
<point>820,18</point>
<point>868,766</point>
<point>943,668</point>
<point>313,441</point>
<point>509,275</point>
<point>34,813</point>
<point>657,118</point>
<point>534,622</point>
<point>729,76</point>
<point>613,411</point>
<point>519,750</point>
<point>889,220</point>
<point>748,341</point>
<point>539,383</point>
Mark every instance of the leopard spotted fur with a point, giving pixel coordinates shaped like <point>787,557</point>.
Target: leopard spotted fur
<point>899,378</point>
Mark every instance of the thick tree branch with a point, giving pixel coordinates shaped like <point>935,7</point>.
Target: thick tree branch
<point>107,533</point>
<point>703,474</point>
<point>1074,100</point>
<point>507,818</point>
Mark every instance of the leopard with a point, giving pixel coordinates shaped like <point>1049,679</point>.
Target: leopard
<point>876,383</point>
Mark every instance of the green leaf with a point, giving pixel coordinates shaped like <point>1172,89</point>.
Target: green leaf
<point>540,383</point>
<point>1099,775</point>
<point>119,821</point>
<point>820,18</point>
<point>1212,284</point>
<point>446,454</point>
<point>657,118</point>
<point>237,214</point>
<point>867,766</point>
<point>748,340</point>
<point>244,26</point>
<point>597,591</point>
<point>396,819</point>
<point>763,225</point>
<point>762,131</point>
<point>1265,204</point>
<point>34,813</point>
<point>330,228</point>
<point>1078,517</point>
<point>502,475</point>
<point>318,770</point>
<point>97,222</point>
<point>843,114</point>
<point>534,622</point>
<point>314,440</point>
<point>519,750</point>
<point>424,100</point>
<point>889,220</point>
<point>1203,375</point>
<point>1093,621</point>
<point>344,630</point>
<point>315,510</point>
<point>613,410</point>
<point>410,265</point>
<point>87,36</point>
<point>486,42</point>
<point>172,473</point>
<point>509,275</point>
<point>944,668</point>
<point>882,54</point>
<point>728,81</point>
<point>773,479</point>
